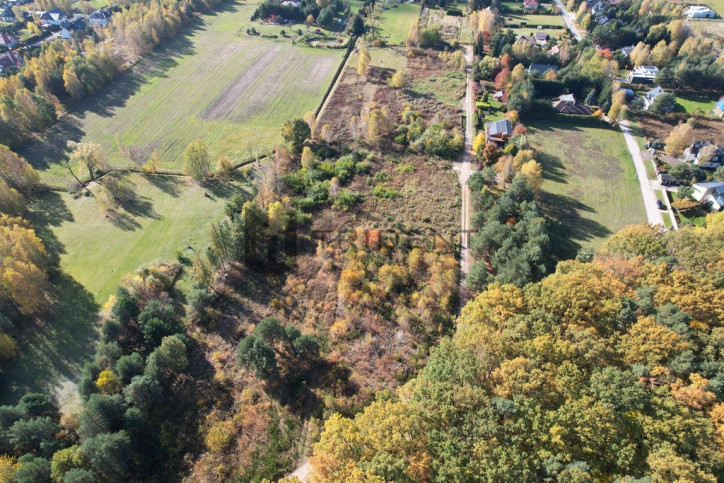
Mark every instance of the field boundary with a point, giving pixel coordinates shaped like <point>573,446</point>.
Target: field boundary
<point>335,79</point>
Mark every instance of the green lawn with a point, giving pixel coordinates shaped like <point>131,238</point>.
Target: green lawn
<point>532,19</point>
<point>691,104</point>
<point>694,217</point>
<point>95,251</point>
<point>552,33</point>
<point>96,4</point>
<point>396,21</point>
<point>589,189</point>
<point>214,82</point>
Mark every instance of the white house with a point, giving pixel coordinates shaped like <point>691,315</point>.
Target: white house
<point>692,154</point>
<point>53,17</point>
<point>710,193</point>
<point>651,96</point>
<point>99,18</point>
<point>643,74</point>
<point>699,11</point>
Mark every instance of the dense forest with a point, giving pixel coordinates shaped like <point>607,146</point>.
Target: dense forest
<point>608,369</point>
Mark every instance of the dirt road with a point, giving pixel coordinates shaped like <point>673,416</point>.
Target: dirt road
<point>464,169</point>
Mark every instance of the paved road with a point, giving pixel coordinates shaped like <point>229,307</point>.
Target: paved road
<point>653,214</point>
<point>464,170</point>
<point>569,19</point>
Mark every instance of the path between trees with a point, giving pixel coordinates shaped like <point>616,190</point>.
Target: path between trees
<point>463,167</point>
<point>653,214</point>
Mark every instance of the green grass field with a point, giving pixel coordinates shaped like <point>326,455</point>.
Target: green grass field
<point>214,82</point>
<point>532,19</point>
<point>170,214</point>
<point>691,104</point>
<point>552,33</point>
<point>589,189</point>
<point>395,23</point>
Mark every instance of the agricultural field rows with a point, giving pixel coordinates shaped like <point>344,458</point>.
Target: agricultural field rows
<point>215,83</point>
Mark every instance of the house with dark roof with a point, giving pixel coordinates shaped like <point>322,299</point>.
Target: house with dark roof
<point>9,40</point>
<point>710,193</point>
<point>99,18</point>
<point>9,60</point>
<point>541,68</point>
<point>567,104</point>
<point>627,50</point>
<point>54,17</point>
<point>527,38</point>
<point>77,25</point>
<point>499,131</point>
<point>541,38</point>
<point>7,15</point>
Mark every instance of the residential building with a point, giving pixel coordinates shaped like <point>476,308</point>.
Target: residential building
<point>693,154</point>
<point>9,60</point>
<point>529,39</point>
<point>77,25</point>
<point>9,40</point>
<point>54,17</point>
<point>665,179</point>
<point>99,18</point>
<point>541,38</point>
<point>555,50</point>
<point>542,68</point>
<point>627,50</point>
<point>7,15</point>
<point>566,104</point>
<point>530,5</point>
<point>597,7</point>
<point>643,74</point>
<point>499,131</point>
<point>719,108</point>
<point>651,95</point>
<point>699,11</point>
<point>602,20</point>
<point>710,193</point>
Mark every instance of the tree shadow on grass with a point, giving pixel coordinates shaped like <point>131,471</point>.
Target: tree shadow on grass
<point>48,210</point>
<point>46,149</point>
<point>553,169</point>
<point>168,184</point>
<point>56,347</point>
<point>122,220</point>
<point>567,227</point>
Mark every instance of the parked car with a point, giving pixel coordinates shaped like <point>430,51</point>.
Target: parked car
<point>660,204</point>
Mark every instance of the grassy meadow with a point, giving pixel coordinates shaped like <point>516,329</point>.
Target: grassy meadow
<point>213,82</point>
<point>590,190</point>
<point>170,215</point>
<point>396,21</point>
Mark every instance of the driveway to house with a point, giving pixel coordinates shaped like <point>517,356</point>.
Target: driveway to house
<point>653,214</point>
<point>464,170</point>
<point>569,19</point>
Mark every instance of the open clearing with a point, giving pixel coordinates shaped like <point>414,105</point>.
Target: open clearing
<point>589,189</point>
<point>532,19</point>
<point>396,21</point>
<point>170,214</point>
<point>213,82</point>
